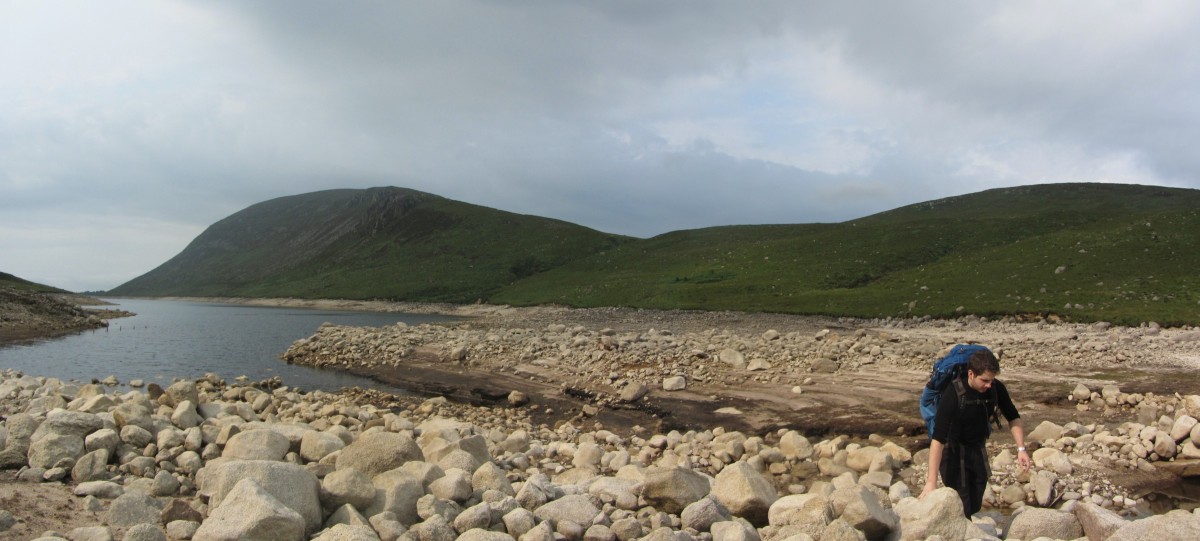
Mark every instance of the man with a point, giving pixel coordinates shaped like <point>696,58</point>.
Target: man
<point>958,450</point>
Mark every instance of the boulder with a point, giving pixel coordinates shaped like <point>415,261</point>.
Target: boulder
<point>672,489</point>
<point>52,448</point>
<point>674,383</point>
<point>256,445</point>
<point>348,486</point>
<point>732,357</point>
<point>1034,522</point>
<point>745,492</point>
<point>144,532</point>
<point>249,511</point>
<point>634,391</point>
<point>1054,460</point>
<point>866,513</point>
<point>398,492</point>
<point>938,513</point>
<point>290,484</point>
<point>840,530</point>
<point>317,445</point>
<point>346,532</point>
<point>376,452</point>
<point>1097,522</point>
<point>795,446</point>
<point>801,514</point>
<point>132,508</point>
<point>1081,393</point>
<point>734,530</point>
<point>67,423</point>
<point>1046,430</point>
<point>91,467</point>
<point>1182,428</point>
<point>701,514</point>
<point>578,508</point>
<point>1177,524</point>
<point>185,416</point>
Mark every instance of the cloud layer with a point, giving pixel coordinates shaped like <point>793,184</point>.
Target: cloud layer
<point>131,126</point>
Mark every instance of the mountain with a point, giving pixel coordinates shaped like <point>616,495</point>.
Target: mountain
<point>9,281</point>
<point>385,243</point>
<point>1086,252</point>
<point>1121,253</point>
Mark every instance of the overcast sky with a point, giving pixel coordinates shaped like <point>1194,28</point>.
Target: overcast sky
<point>126,128</point>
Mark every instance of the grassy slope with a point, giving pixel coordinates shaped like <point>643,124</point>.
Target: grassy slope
<point>1128,253</point>
<point>380,243</point>
<point>8,280</point>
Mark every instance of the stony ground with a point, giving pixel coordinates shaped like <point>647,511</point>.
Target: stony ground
<point>28,314</point>
<point>849,383</point>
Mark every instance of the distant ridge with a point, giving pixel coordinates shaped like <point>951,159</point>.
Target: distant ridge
<point>388,243</point>
<point>1086,252</point>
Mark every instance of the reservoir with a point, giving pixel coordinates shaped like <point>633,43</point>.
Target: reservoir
<point>170,339</point>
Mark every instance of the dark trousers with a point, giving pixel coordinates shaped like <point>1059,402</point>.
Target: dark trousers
<point>966,470</point>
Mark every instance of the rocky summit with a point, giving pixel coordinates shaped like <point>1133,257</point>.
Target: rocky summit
<point>209,460</point>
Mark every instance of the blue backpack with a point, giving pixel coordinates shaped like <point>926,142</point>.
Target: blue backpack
<point>949,370</point>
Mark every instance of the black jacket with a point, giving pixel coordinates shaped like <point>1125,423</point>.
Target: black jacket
<point>970,425</point>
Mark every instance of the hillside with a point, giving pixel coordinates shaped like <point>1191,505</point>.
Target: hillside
<point>1080,251</point>
<point>30,310</point>
<point>385,243</point>
<point>1084,252</point>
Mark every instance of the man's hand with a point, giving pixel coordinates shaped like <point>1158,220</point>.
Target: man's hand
<point>929,487</point>
<point>1023,459</point>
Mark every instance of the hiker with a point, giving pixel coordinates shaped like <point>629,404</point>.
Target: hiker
<point>958,444</point>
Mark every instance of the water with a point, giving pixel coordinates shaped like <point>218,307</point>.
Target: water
<point>184,339</point>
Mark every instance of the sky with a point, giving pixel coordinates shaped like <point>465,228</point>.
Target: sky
<point>128,127</point>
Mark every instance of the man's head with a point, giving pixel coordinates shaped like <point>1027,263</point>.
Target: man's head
<point>982,368</point>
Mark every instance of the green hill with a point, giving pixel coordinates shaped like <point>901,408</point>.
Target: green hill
<point>1082,251</point>
<point>386,243</point>
<point>9,281</point>
<point>1085,252</point>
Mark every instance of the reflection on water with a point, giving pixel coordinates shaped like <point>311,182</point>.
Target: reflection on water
<point>184,339</point>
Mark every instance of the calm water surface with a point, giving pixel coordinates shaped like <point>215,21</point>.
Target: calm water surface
<point>183,339</point>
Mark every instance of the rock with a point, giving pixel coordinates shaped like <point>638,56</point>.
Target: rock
<point>489,476</point>
<point>701,514</point>
<point>634,391</point>
<point>91,467</point>
<point>105,438</point>
<point>52,448</point>
<point>577,508</point>
<point>132,508</point>
<point>1081,393</point>
<point>144,532</point>
<point>72,423</point>
<point>1164,445</point>
<point>317,445</point>
<point>248,512</point>
<point>257,445</point>
<point>795,446</point>
<point>91,533</point>
<point>347,487</point>
<point>479,534</point>
<point>732,357</point>
<point>179,510</point>
<point>435,528</point>
<point>474,517</point>
<point>518,521</point>
<point>867,514</point>
<point>734,530</point>
<point>1046,430</point>
<point>376,452</point>
<point>1034,522</point>
<point>1182,428</point>
<point>100,489</point>
<point>1043,487</point>
<point>840,530</point>
<point>346,532</point>
<point>182,529</point>
<point>745,492</point>
<point>1097,522</point>
<point>290,484</point>
<point>825,366</point>
<point>397,492</point>
<point>806,514</point>
<point>455,485</point>
<point>939,513</point>
<point>672,489</point>
<point>1175,524</point>
<point>517,399</point>
<point>1054,460</point>
<point>674,383</point>
<point>179,392</point>
<point>616,491</point>
<point>185,416</point>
